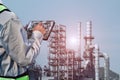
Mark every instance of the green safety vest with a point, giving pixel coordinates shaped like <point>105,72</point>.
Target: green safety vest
<point>26,77</point>
<point>3,8</point>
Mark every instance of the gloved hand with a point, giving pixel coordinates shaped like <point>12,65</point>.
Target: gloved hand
<point>39,27</point>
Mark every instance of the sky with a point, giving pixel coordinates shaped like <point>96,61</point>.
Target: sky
<point>104,14</point>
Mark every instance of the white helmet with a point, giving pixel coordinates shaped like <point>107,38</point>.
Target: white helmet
<point>0,1</point>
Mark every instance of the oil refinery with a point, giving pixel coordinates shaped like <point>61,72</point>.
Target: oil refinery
<point>64,64</point>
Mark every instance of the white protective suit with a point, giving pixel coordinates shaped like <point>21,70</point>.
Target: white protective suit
<point>16,51</point>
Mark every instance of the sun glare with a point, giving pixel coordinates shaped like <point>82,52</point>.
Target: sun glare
<point>72,42</point>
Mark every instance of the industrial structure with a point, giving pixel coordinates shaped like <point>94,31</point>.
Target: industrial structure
<point>57,52</point>
<point>65,65</point>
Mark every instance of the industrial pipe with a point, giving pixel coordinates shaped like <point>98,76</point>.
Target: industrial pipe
<point>96,62</point>
<point>106,65</point>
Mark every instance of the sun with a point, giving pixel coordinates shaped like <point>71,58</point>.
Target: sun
<point>72,42</point>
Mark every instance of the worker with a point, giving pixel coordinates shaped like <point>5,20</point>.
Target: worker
<point>17,51</point>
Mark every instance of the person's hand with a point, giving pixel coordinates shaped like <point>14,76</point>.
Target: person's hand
<point>39,27</point>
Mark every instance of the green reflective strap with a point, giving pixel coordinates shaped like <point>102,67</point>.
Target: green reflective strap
<point>6,78</point>
<point>23,78</point>
<point>2,7</point>
<point>20,78</point>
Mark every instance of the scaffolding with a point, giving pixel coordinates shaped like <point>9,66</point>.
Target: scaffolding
<point>70,64</point>
<point>62,62</point>
<point>57,52</point>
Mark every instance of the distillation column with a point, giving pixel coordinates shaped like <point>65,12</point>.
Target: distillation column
<point>88,53</point>
<point>88,43</point>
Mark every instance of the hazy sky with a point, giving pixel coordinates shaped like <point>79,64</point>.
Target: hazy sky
<point>105,15</point>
